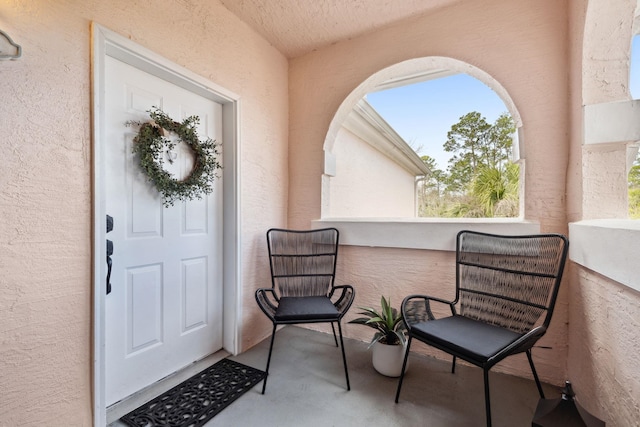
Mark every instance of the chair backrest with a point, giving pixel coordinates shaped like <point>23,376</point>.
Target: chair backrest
<point>509,281</point>
<point>303,263</point>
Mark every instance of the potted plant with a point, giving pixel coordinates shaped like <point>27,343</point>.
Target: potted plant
<point>389,341</point>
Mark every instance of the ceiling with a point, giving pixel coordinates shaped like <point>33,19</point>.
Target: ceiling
<point>297,27</point>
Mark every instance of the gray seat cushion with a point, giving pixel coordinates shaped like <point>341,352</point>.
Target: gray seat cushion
<point>477,340</point>
<point>306,309</point>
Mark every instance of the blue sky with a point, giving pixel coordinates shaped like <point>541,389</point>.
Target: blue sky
<point>634,78</point>
<point>423,113</point>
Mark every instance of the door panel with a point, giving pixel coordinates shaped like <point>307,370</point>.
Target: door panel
<point>144,303</point>
<point>165,308</point>
<point>194,293</point>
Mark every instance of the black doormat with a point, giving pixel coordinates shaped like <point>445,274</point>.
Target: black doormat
<point>198,399</point>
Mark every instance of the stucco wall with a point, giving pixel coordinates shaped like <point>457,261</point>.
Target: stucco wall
<point>605,78</point>
<point>493,36</point>
<point>604,347</point>
<point>604,322</point>
<point>368,183</point>
<point>524,46</point>
<point>45,179</point>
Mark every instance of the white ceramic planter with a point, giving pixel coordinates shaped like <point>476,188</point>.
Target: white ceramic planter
<point>387,359</point>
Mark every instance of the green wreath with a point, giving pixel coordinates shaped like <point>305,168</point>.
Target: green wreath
<point>150,145</point>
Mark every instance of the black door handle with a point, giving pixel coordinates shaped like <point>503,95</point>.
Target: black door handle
<point>109,253</point>
<point>109,264</point>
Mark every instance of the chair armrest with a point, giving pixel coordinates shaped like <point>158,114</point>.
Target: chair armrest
<point>345,299</point>
<point>267,301</point>
<point>524,343</point>
<point>417,308</point>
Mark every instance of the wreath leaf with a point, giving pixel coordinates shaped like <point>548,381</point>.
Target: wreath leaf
<point>150,145</point>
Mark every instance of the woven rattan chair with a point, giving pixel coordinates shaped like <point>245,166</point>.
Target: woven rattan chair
<point>303,267</point>
<point>506,289</point>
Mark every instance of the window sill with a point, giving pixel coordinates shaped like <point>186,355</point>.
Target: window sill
<point>419,233</point>
<point>609,247</point>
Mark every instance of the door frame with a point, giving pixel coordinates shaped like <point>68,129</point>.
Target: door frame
<point>108,43</point>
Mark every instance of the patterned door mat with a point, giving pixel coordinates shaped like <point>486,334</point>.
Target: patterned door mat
<point>198,399</point>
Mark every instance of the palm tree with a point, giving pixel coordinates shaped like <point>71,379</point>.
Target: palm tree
<point>493,187</point>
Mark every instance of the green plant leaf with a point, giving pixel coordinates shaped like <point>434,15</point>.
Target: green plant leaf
<point>369,312</point>
<point>387,322</point>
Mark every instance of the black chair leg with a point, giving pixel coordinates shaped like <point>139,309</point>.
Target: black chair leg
<point>344,357</point>
<point>266,373</point>
<point>535,374</point>
<point>333,328</point>
<point>487,403</point>
<point>453,365</point>
<point>404,366</point>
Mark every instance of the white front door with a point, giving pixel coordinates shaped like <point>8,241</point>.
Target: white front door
<point>165,306</point>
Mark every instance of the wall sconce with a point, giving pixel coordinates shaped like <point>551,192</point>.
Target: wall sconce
<point>8,49</point>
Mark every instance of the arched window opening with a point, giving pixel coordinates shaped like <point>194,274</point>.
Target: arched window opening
<point>438,143</point>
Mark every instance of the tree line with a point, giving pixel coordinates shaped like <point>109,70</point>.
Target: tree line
<point>634,190</point>
<point>480,180</point>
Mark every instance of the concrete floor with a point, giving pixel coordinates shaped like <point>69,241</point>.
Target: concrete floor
<point>307,387</point>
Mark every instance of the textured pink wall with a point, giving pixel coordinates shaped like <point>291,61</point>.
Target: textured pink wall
<point>604,347</point>
<point>45,183</point>
<point>492,35</point>
<point>524,46</point>
<point>604,321</point>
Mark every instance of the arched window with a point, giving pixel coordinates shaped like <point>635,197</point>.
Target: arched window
<point>435,139</point>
